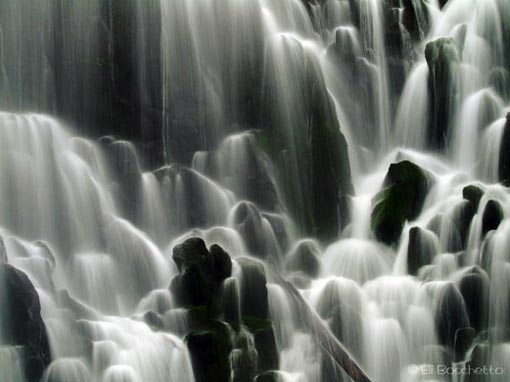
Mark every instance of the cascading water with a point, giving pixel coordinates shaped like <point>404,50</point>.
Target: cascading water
<point>192,152</point>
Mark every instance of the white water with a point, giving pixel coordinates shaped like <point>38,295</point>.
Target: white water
<point>116,259</point>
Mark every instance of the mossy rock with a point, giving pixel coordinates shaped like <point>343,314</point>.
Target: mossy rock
<point>405,188</point>
<point>210,350</point>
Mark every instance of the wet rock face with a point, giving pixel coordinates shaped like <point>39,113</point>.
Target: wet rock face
<point>26,327</point>
<point>504,154</point>
<point>201,272</point>
<point>405,188</point>
<point>210,350</point>
<point>214,345</point>
<point>492,216</point>
<point>442,57</point>
<point>474,288</point>
<point>421,250</point>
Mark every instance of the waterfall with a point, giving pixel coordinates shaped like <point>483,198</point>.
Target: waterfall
<point>173,173</point>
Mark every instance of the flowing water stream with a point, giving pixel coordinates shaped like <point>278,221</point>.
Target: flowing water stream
<point>267,127</point>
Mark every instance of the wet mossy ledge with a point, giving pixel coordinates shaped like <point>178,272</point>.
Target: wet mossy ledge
<point>404,191</point>
<point>230,337</point>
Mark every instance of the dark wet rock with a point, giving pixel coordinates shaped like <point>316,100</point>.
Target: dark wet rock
<point>504,154</point>
<point>472,194</point>
<point>305,258</point>
<point>243,360</point>
<point>252,176</point>
<point>249,222</point>
<point>442,57</point>
<point>123,161</point>
<point>404,191</point>
<point>254,296</point>
<point>450,315</point>
<point>230,301</point>
<point>192,288</point>
<point>311,153</point>
<point>209,351</point>
<point>222,264</point>
<point>265,342</point>
<point>192,251</point>
<point>464,339</point>
<point>492,216</point>
<point>421,249</point>
<point>474,287</point>
<point>201,273</point>
<point>26,327</point>
<point>462,216</point>
<point>269,376</point>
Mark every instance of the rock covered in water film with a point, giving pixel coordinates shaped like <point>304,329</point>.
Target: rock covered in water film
<point>305,258</point>
<point>504,154</point>
<point>492,216</point>
<point>25,326</point>
<point>472,194</point>
<point>402,197</point>
<point>442,56</point>
<point>421,250</point>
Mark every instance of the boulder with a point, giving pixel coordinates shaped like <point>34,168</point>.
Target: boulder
<point>402,197</point>
<point>442,56</point>
<point>25,325</point>
<point>474,288</point>
<point>421,249</point>
<point>472,194</point>
<point>201,273</point>
<point>492,216</point>
<point>305,258</point>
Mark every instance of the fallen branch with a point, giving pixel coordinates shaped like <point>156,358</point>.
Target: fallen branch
<point>325,338</point>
